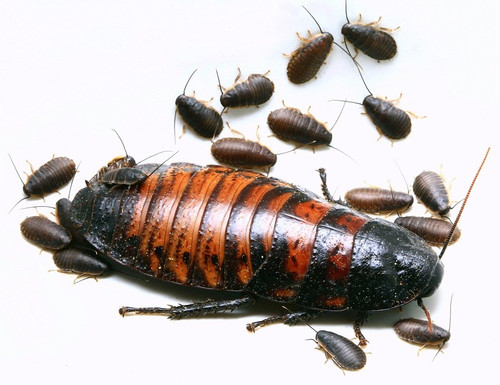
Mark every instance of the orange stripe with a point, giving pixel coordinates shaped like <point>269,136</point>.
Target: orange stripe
<point>211,245</point>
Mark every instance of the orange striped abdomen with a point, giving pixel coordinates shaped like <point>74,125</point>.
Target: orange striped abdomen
<point>221,228</point>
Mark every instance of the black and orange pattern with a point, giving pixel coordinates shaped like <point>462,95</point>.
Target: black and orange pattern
<point>221,228</point>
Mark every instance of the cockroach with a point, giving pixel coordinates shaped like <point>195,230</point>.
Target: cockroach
<point>243,153</point>
<point>116,163</point>
<point>255,90</point>
<point>417,332</point>
<point>127,176</point>
<point>433,230</point>
<point>291,124</point>
<point>390,121</point>
<point>44,233</point>
<point>77,261</point>
<point>50,177</point>
<point>237,230</point>
<point>429,188</point>
<point>375,200</point>
<point>369,39</point>
<point>306,61</point>
<point>345,353</point>
<point>202,118</point>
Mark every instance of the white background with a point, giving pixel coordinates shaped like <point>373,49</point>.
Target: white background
<point>70,71</point>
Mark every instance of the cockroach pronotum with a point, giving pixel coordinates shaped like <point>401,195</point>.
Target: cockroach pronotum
<point>50,177</point>
<point>255,90</point>
<point>242,153</point>
<point>201,117</point>
<point>237,230</point>
<point>44,233</point>
<point>369,39</point>
<point>417,332</point>
<point>375,200</point>
<point>306,61</point>
<point>433,230</point>
<point>429,188</point>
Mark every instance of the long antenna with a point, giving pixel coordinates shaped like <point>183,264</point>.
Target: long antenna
<point>454,226</point>
<point>310,14</point>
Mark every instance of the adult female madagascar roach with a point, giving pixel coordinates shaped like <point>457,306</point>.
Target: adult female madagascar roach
<point>221,228</point>
<point>237,230</point>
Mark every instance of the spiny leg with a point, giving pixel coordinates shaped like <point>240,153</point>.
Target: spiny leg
<point>197,309</point>
<point>290,318</point>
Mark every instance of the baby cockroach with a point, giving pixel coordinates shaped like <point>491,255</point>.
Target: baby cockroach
<point>50,177</point>
<point>429,188</point>
<point>417,332</point>
<point>79,262</point>
<point>306,61</point>
<point>201,117</point>
<point>44,233</point>
<point>391,121</point>
<point>243,153</point>
<point>433,230</point>
<point>377,200</point>
<point>368,38</point>
<point>255,90</point>
<point>291,124</point>
<point>116,163</point>
<point>345,353</point>
<point>128,176</point>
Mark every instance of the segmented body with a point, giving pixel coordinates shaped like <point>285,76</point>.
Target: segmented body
<point>431,191</point>
<point>378,201</point>
<point>390,120</point>
<point>203,119</point>
<point>417,332</point>
<point>242,152</point>
<point>44,233</point>
<point>433,230</point>
<point>257,89</point>
<point>371,41</point>
<point>306,61</point>
<point>291,124</point>
<point>345,353</point>
<point>79,262</point>
<point>227,229</point>
<point>50,177</point>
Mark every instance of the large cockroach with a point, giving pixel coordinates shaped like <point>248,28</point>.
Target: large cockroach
<point>433,230</point>
<point>369,39</point>
<point>202,118</point>
<point>237,230</point>
<point>255,90</point>
<point>306,61</point>
<point>429,188</point>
